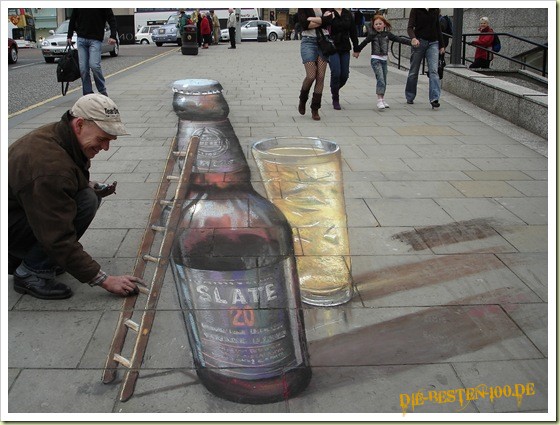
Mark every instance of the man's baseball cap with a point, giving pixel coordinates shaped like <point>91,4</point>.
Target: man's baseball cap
<point>101,110</point>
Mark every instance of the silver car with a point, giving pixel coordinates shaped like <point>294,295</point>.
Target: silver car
<point>53,46</point>
<point>249,31</point>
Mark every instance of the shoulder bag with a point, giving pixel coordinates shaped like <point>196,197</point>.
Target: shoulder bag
<point>326,46</point>
<point>68,68</point>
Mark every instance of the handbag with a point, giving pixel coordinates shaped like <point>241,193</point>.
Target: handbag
<point>68,68</point>
<point>441,65</point>
<point>325,44</point>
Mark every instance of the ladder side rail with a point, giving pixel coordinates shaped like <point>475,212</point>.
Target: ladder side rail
<point>131,375</point>
<point>129,302</point>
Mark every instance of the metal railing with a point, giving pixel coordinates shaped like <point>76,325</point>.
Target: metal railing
<point>465,43</point>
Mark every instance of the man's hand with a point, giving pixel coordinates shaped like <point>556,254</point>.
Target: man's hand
<point>112,41</point>
<point>102,189</point>
<point>356,54</point>
<point>122,285</point>
<point>415,42</point>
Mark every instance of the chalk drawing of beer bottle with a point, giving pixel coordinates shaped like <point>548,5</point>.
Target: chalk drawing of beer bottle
<point>234,266</point>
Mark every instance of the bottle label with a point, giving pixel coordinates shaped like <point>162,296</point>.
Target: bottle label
<point>244,323</point>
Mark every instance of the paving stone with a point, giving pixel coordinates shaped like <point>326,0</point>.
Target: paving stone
<point>533,210</point>
<point>533,321</point>
<point>496,175</point>
<point>427,131</point>
<point>404,212</point>
<point>510,373</point>
<point>357,391</point>
<point>478,208</point>
<point>416,189</point>
<point>526,238</point>
<point>532,269</point>
<point>486,189</point>
<point>531,188</point>
<point>40,339</point>
<point>61,391</point>
<point>422,336</point>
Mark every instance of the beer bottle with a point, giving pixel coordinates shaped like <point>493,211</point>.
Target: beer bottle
<point>234,265</point>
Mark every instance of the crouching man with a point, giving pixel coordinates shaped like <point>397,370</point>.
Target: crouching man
<point>51,201</point>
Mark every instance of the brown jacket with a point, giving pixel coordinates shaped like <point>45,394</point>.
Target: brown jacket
<point>46,169</point>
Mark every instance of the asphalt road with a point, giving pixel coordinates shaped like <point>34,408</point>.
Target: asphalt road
<point>32,81</point>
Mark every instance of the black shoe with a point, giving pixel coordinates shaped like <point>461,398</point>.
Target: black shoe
<point>410,102</point>
<point>231,47</point>
<point>45,289</point>
<point>434,103</point>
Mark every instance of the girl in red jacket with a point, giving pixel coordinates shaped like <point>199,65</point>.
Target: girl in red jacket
<point>482,58</point>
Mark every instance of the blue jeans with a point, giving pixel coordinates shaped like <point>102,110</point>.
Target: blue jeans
<point>429,50</point>
<point>380,70</point>
<point>89,54</point>
<point>339,64</point>
<point>23,244</point>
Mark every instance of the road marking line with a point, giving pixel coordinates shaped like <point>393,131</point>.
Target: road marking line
<point>79,87</point>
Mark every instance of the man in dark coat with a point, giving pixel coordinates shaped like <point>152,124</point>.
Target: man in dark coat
<point>89,24</point>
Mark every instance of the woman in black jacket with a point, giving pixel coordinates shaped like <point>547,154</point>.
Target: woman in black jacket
<point>313,20</point>
<point>343,30</point>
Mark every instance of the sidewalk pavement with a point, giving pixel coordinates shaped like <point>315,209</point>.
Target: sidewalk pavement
<point>448,228</point>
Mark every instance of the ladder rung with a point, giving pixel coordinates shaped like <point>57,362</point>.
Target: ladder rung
<point>174,178</point>
<point>180,154</point>
<point>143,289</point>
<point>158,228</point>
<point>122,360</point>
<point>150,258</point>
<point>132,325</point>
<point>165,203</point>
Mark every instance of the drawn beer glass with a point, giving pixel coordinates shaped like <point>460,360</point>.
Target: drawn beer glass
<point>303,177</point>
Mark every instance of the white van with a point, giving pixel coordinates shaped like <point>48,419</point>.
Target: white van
<point>144,34</point>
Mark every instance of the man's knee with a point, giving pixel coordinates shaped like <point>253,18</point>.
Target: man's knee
<point>87,202</point>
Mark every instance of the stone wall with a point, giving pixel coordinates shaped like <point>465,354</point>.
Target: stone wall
<point>530,23</point>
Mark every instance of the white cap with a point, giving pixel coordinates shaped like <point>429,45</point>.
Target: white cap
<point>101,110</point>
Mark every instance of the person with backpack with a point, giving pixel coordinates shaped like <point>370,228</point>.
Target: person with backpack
<point>482,58</point>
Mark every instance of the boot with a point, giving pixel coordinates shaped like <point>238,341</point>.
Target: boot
<point>315,105</point>
<point>303,96</point>
<point>335,98</point>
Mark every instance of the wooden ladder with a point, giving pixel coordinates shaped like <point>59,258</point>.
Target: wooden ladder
<point>159,263</point>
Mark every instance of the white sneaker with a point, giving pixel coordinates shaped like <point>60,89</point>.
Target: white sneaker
<point>385,103</point>
<point>380,105</point>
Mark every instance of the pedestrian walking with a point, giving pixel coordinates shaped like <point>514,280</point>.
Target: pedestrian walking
<point>51,201</point>
<point>215,27</point>
<point>342,31</point>
<point>231,23</point>
<point>89,25</point>
<point>315,64</point>
<point>427,42</point>
<point>379,37</point>
<point>482,58</point>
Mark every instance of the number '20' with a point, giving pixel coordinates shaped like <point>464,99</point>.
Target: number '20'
<point>242,316</point>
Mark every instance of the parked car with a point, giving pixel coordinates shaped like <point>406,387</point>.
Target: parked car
<point>144,34</point>
<point>249,31</point>
<point>53,46</point>
<point>12,51</point>
<point>168,33</point>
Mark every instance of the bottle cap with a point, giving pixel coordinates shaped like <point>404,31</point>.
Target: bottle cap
<point>197,87</point>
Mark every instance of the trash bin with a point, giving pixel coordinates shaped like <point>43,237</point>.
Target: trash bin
<point>261,32</point>
<point>189,41</point>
